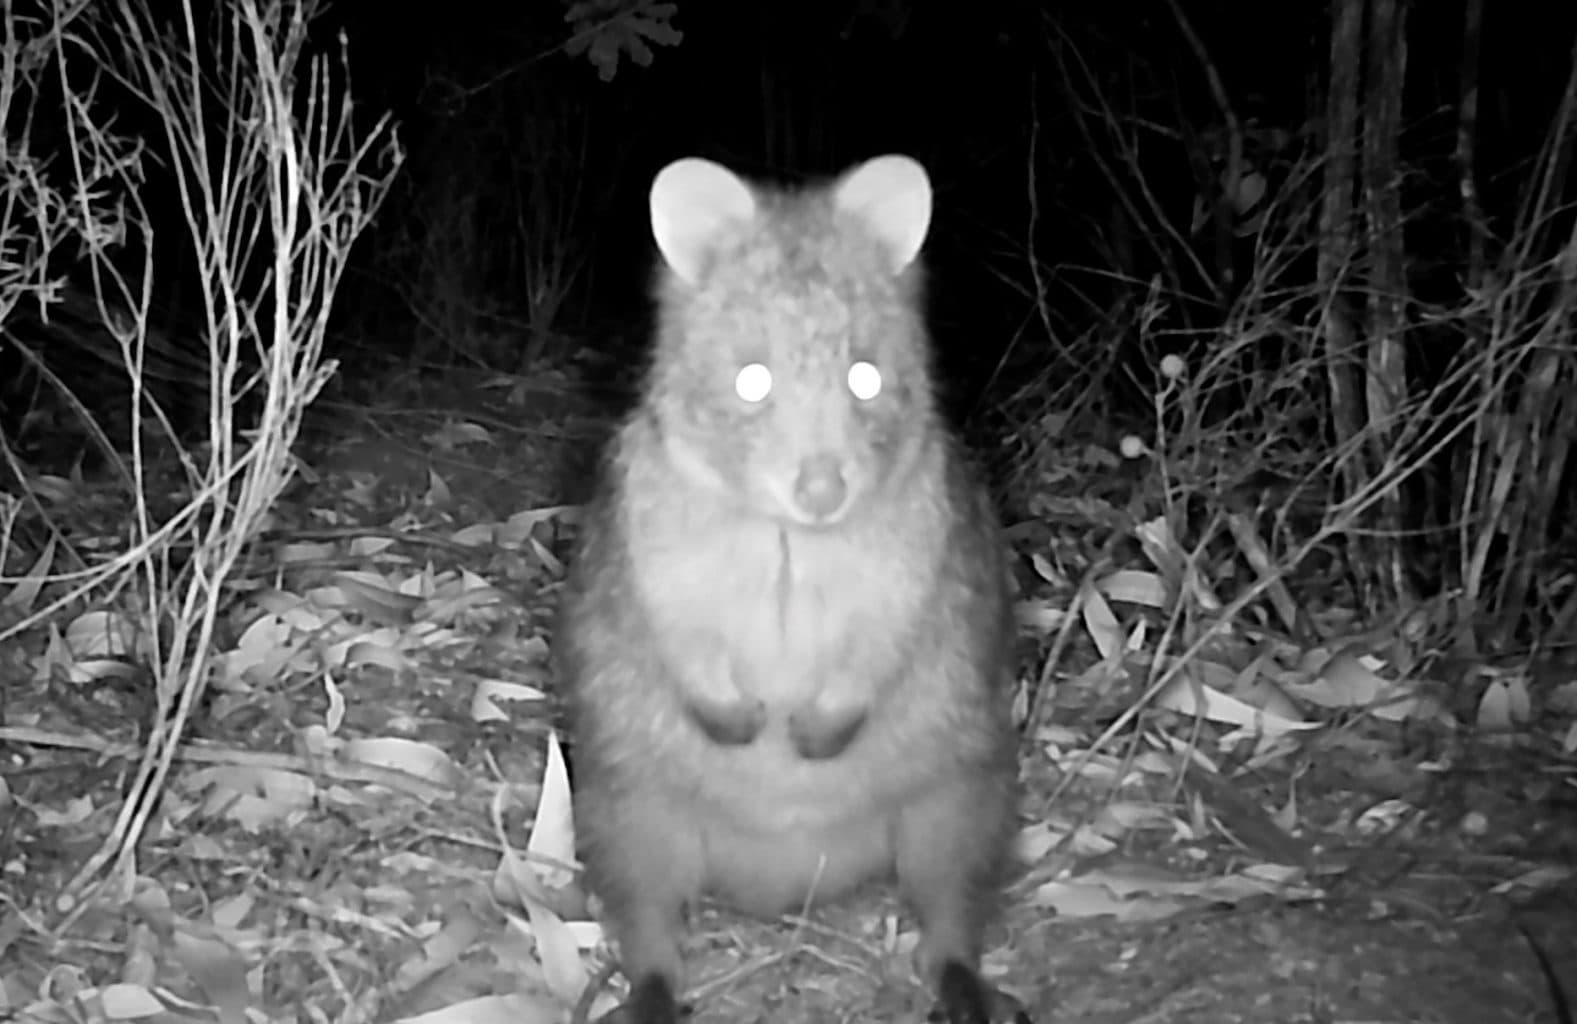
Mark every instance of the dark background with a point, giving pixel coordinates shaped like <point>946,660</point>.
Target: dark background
<point>1072,146</point>
<point>1007,104</point>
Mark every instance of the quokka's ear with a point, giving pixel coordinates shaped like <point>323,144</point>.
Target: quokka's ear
<point>891,198</point>
<point>692,200</point>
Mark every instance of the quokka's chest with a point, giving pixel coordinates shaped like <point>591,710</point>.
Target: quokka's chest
<point>780,597</point>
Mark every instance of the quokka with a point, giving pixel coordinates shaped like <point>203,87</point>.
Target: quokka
<point>786,638</point>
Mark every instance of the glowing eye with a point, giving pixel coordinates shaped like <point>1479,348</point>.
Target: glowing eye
<point>865,381</point>
<point>753,382</point>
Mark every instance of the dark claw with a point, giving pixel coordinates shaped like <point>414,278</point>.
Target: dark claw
<point>819,735</point>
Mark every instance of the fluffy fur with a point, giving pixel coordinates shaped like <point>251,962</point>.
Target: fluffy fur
<point>786,637</point>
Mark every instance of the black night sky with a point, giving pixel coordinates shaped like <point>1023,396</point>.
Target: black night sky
<point>1009,105</point>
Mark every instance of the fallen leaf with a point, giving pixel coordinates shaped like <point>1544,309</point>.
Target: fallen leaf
<point>21,597</point>
<point>101,634</point>
<point>218,970</point>
<point>489,691</point>
<point>1504,705</point>
<point>516,1008</point>
<point>1102,625</point>
<point>1078,900</point>
<point>553,831</point>
<point>1191,698</point>
<point>253,796</point>
<point>304,552</point>
<point>456,434</point>
<point>441,950</point>
<point>413,757</point>
<point>129,1002</point>
<point>74,811</point>
<point>1134,586</point>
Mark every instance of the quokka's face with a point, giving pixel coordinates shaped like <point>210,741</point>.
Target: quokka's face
<point>791,358</point>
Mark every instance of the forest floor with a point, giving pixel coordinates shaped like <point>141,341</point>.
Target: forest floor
<point>345,839</point>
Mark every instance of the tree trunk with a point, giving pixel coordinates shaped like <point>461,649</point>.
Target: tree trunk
<point>1386,385</point>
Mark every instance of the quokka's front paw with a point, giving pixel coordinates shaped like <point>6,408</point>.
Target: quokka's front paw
<point>965,998</point>
<point>819,733</point>
<point>728,723</point>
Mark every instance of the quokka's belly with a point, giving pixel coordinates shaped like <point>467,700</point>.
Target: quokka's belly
<point>766,872</point>
<point>779,831</point>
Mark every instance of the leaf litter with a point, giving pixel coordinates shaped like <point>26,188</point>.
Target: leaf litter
<point>375,819</point>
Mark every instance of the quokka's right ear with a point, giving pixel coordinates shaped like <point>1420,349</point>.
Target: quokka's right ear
<point>891,196</point>
<point>692,200</point>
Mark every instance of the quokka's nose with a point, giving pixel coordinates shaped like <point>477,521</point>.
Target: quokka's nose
<point>820,490</point>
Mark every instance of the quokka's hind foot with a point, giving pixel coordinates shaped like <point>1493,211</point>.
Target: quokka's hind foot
<point>652,1001</point>
<point>646,866</point>
<point>951,847</point>
<point>964,997</point>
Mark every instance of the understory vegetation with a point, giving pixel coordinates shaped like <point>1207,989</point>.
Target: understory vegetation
<point>1272,369</point>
